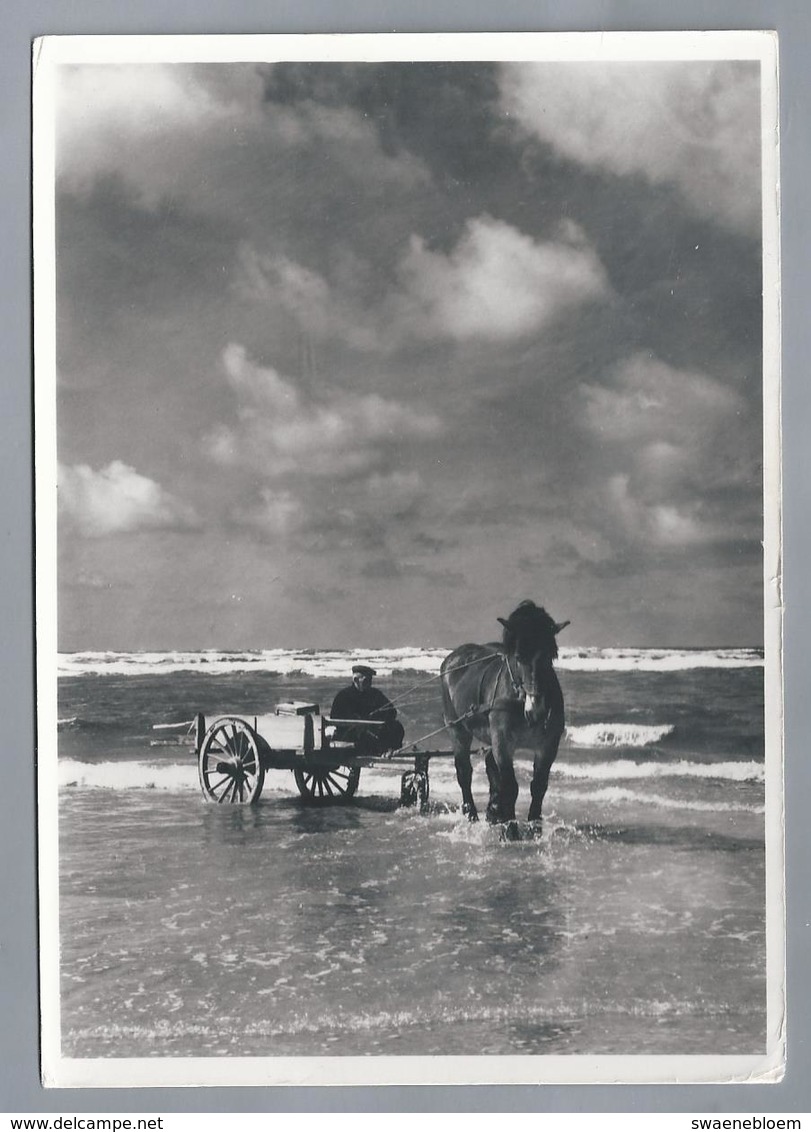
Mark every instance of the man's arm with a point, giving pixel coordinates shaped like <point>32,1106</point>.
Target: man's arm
<point>383,709</point>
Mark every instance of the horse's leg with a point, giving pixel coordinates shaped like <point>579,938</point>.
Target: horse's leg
<point>464,771</point>
<point>493,806</point>
<point>547,750</point>
<point>500,771</point>
<point>545,755</point>
<point>464,776</point>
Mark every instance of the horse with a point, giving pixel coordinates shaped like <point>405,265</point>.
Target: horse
<point>507,696</point>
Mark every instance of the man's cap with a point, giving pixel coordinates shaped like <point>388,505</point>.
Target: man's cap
<point>363,670</point>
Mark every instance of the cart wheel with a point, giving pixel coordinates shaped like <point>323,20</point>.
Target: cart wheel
<point>321,785</point>
<point>229,764</point>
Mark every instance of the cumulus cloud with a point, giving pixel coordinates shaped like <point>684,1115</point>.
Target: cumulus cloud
<point>650,402</point>
<point>356,518</point>
<point>352,142</point>
<point>177,130</point>
<point>675,472</point>
<point>647,521</point>
<point>305,295</point>
<point>497,283</point>
<point>143,122</point>
<point>696,125</point>
<point>318,461</point>
<point>117,499</point>
<point>280,431</point>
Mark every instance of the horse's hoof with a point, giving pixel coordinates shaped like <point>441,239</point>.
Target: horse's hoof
<point>535,828</point>
<point>510,831</point>
<point>470,813</point>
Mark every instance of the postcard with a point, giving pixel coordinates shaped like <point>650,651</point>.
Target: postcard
<point>408,558</point>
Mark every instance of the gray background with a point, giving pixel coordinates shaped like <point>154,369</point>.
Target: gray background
<point>20,21</point>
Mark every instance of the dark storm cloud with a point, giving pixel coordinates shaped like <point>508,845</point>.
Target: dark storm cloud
<point>445,113</point>
<point>629,562</point>
<point>690,287</point>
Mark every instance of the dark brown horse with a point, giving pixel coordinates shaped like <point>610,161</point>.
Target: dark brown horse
<point>507,696</point>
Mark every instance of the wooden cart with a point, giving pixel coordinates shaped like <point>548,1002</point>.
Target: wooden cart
<point>325,755</point>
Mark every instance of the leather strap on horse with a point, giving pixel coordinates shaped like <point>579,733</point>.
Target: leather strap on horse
<point>473,710</point>
<point>517,686</point>
<point>438,676</point>
<point>479,708</point>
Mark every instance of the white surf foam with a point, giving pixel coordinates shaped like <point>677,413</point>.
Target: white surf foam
<point>618,794</point>
<point>127,776</point>
<point>182,777</point>
<point>625,769</point>
<point>337,663</point>
<point>656,660</point>
<point>617,734</point>
<point>435,1013</point>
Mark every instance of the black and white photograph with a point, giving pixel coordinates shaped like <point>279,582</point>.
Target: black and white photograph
<point>408,559</point>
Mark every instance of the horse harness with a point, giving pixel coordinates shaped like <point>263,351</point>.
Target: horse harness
<point>479,708</point>
<point>517,686</point>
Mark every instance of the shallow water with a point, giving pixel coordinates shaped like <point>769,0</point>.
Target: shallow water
<point>283,929</point>
<point>634,924</point>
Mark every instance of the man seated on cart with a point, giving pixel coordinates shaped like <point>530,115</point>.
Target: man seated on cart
<point>360,701</point>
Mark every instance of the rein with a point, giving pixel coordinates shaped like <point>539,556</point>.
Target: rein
<point>437,676</point>
<point>518,687</point>
<point>517,682</point>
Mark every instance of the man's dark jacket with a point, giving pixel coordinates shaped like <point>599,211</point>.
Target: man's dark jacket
<point>368,703</point>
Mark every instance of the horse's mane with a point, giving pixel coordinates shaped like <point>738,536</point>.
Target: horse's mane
<point>531,623</point>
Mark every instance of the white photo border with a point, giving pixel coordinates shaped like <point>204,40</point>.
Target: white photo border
<point>52,52</point>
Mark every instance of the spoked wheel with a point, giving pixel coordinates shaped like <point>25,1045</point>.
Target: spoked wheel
<point>229,765</point>
<point>327,784</point>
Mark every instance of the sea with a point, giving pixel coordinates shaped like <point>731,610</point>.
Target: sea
<point>634,924</point>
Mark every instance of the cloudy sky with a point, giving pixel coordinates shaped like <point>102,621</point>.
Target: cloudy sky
<point>364,354</point>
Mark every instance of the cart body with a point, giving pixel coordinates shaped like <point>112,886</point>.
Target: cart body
<point>235,752</point>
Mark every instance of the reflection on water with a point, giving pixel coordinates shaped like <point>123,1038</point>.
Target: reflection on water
<point>190,929</point>
<point>682,837</point>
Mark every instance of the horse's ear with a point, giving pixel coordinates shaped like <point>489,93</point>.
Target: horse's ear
<point>501,621</point>
<point>562,625</point>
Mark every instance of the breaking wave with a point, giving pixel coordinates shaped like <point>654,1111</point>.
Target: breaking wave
<point>625,769</point>
<point>618,734</point>
<point>656,660</point>
<point>176,778</point>
<point>336,662</point>
<point>618,794</point>
<point>182,777</point>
